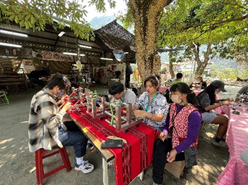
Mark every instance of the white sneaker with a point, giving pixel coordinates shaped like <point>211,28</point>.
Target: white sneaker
<point>221,143</point>
<point>86,167</point>
<point>155,183</point>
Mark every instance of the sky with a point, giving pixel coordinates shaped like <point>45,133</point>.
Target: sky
<point>92,12</point>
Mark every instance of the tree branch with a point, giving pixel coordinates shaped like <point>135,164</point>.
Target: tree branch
<point>196,51</point>
<point>206,55</point>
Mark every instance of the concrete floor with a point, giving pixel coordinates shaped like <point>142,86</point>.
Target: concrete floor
<point>17,163</point>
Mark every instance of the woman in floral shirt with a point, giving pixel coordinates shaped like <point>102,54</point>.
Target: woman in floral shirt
<point>154,105</point>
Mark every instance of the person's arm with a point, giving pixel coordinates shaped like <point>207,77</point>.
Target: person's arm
<point>205,103</point>
<point>212,107</point>
<point>222,100</point>
<point>194,125</point>
<point>219,104</point>
<point>167,122</point>
<point>148,115</point>
<point>160,111</point>
<point>154,117</point>
<point>47,111</point>
<point>164,134</point>
<point>140,102</point>
<point>135,107</point>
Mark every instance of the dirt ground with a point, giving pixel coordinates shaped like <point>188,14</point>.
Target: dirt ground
<point>17,163</point>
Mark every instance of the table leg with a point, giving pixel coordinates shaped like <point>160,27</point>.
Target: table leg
<point>141,175</point>
<point>105,171</point>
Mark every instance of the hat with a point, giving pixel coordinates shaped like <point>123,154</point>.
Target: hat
<point>219,84</point>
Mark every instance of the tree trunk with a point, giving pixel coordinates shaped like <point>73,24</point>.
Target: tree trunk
<point>171,65</point>
<point>146,14</point>
<point>201,65</point>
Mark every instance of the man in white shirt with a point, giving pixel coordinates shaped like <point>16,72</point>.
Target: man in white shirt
<point>119,93</point>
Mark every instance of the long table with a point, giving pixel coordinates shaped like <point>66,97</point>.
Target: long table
<point>139,157</point>
<point>236,171</point>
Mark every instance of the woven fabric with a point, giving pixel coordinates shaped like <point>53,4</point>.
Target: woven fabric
<point>134,157</point>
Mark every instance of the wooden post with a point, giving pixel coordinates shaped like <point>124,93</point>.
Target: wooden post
<point>105,171</point>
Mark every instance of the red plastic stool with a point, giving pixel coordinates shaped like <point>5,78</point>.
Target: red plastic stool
<point>39,155</point>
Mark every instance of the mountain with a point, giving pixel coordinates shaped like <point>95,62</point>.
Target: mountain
<point>98,22</point>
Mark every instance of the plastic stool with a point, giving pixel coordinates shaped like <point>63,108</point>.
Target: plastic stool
<point>3,98</point>
<point>39,156</point>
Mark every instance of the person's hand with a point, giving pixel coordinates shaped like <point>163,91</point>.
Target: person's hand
<point>66,106</point>
<point>163,136</point>
<point>140,113</point>
<point>171,156</point>
<point>64,98</point>
<point>134,107</point>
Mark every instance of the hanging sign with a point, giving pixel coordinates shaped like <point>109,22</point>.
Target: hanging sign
<point>47,55</point>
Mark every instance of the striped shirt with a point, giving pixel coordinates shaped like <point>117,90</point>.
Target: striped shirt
<point>43,122</point>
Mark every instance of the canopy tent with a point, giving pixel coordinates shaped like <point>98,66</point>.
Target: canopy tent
<point>113,37</point>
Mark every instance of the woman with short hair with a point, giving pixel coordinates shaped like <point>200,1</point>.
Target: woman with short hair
<point>153,104</point>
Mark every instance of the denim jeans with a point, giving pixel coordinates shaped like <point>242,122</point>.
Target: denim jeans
<point>74,138</point>
<point>160,128</point>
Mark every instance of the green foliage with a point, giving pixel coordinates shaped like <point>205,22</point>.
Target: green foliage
<point>215,22</point>
<point>37,14</point>
<point>101,5</point>
<point>163,70</point>
<point>127,18</point>
<point>208,21</point>
<point>231,49</point>
<point>229,73</point>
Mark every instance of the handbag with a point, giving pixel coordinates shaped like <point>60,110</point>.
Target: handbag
<point>190,156</point>
<point>190,152</point>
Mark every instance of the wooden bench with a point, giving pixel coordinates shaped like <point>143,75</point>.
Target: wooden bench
<point>13,83</point>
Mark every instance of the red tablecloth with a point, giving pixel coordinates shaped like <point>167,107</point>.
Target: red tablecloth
<point>137,153</point>
<point>236,171</point>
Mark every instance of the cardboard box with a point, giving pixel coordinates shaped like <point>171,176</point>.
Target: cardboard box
<point>175,168</point>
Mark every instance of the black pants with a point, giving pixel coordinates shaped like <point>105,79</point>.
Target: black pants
<point>159,159</point>
<point>127,81</point>
<point>71,126</point>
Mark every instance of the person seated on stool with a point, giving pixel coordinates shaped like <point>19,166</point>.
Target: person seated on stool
<point>153,104</point>
<point>119,93</point>
<point>208,102</point>
<point>46,129</point>
<point>182,125</point>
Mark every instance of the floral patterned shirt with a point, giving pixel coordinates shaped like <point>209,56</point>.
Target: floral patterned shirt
<point>158,105</point>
